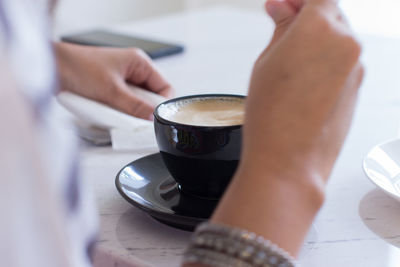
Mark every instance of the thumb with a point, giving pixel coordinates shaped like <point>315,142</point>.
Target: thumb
<point>282,13</point>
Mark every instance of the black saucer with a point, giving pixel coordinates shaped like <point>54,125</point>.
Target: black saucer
<point>147,184</point>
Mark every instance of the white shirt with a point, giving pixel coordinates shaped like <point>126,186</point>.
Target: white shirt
<point>47,214</point>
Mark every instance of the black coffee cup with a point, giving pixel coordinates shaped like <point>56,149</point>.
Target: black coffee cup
<point>201,159</point>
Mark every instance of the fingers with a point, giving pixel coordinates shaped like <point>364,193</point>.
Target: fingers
<point>331,13</point>
<point>297,4</point>
<point>326,5</point>
<point>280,11</point>
<point>143,73</point>
<point>125,100</point>
<point>283,14</point>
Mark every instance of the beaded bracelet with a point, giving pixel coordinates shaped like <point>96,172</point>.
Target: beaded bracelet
<point>221,246</point>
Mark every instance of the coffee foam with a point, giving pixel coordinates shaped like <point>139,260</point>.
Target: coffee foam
<point>205,111</point>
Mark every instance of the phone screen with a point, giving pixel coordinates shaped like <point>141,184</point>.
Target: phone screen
<point>154,49</point>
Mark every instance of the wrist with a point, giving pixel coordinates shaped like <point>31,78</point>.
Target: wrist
<point>302,176</point>
<point>272,205</point>
<point>66,56</point>
<point>306,188</point>
<point>64,53</point>
<point>61,51</point>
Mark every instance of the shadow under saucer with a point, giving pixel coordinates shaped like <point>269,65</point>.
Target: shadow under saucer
<point>381,214</point>
<point>147,184</point>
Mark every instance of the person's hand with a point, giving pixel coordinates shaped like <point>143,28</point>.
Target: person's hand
<point>299,107</point>
<point>283,12</point>
<point>303,90</point>
<point>104,75</point>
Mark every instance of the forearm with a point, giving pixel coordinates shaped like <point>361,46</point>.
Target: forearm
<point>278,208</point>
<point>295,125</point>
<point>62,54</point>
<point>78,71</point>
<point>66,55</point>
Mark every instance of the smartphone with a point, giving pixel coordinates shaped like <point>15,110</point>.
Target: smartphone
<point>154,49</point>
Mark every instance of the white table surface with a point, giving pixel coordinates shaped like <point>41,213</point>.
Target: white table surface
<point>358,225</point>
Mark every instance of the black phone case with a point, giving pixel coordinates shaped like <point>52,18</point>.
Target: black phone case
<point>163,49</point>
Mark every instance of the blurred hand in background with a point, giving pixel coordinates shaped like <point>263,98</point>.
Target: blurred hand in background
<point>104,75</point>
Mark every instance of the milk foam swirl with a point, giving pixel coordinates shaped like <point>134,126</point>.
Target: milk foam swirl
<point>205,111</point>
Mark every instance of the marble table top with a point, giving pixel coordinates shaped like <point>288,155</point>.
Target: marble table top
<point>358,225</point>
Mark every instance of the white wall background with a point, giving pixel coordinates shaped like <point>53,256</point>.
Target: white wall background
<point>239,3</point>
<point>73,15</point>
<point>374,16</point>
